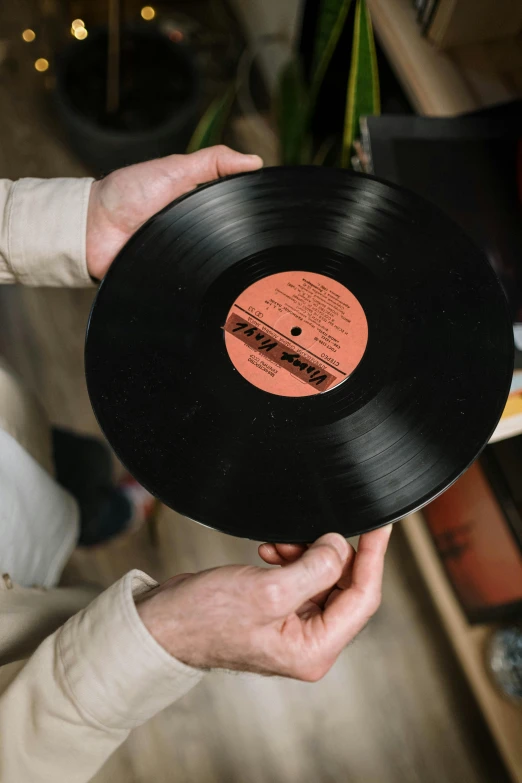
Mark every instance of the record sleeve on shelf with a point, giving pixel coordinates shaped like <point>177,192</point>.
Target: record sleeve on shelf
<point>471,167</point>
<point>481,556</point>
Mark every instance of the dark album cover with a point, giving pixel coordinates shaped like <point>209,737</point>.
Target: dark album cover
<point>471,167</point>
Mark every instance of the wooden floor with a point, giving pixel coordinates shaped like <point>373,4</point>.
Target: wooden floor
<point>394,709</point>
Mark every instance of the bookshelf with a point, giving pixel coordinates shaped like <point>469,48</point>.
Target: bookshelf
<point>469,641</point>
<point>446,83</point>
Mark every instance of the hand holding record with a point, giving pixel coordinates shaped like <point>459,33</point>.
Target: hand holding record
<point>122,202</point>
<point>292,622</point>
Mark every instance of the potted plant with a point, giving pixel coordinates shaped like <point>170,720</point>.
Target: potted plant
<point>297,96</point>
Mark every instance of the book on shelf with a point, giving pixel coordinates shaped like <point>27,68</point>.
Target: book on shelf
<point>471,167</point>
<point>510,423</point>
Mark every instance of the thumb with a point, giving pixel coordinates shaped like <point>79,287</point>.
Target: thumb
<point>214,162</point>
<point>318,569</point>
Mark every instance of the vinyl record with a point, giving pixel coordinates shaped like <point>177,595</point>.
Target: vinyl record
<point>296,351</point>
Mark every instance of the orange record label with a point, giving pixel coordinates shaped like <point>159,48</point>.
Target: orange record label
<point>296,333</point>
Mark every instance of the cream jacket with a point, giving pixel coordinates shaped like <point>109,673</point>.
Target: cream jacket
<point>78,672</point>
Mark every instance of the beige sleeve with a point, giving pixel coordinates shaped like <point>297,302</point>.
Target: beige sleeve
<point>84,689</point>
<point>42,231</point>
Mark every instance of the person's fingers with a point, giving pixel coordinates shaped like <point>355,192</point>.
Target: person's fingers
<point>220,161</point>
<point>346,577</point>
<point>318,569</point>
<point>291,551</point>
<point>342,583</point>
<point>351,609</point>
<point>370,558</point>
<point>269,554</point>
<point>280,554</point>
<point>284,554</point>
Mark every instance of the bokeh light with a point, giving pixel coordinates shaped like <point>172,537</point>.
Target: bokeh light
<point>76,23</point>
<point>148,13</point>
<point>80,33</point>
<point>28,35</point>
<point>41,64</point>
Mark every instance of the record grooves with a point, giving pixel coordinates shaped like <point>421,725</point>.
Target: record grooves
<point>293,351</point>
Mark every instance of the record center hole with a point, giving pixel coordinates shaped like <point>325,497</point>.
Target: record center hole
<point>296,331</point>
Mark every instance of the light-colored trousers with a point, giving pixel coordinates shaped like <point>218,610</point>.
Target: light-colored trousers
<point>39,520</point>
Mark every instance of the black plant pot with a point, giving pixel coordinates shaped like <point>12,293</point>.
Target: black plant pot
<point>159,98</point>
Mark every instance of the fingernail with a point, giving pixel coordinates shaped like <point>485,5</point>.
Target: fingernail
<point>257,158</point>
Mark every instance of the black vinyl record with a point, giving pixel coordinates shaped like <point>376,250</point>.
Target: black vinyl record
<point>296,351</point>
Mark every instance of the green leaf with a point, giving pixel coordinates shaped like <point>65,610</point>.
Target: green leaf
<point>209,130</point>
<point>292,105</point>
<point>330,23</point>
<point>363,84</point>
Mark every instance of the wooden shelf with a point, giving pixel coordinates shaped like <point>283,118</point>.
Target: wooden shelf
<point>447,83</point>
<point>503,717</point>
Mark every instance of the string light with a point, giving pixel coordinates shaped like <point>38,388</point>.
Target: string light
<point>148,13</point>
<point>28,35</point>
<point>41,64</point>
<point>78,29</point>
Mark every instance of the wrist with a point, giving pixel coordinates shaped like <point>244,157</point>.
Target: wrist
<point>147,615</point>
<point>92,242</point>
<point>160,621</point>
<point>151,615</point>
<point>104,238</point>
